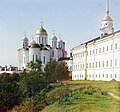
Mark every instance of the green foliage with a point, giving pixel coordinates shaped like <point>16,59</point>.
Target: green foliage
<point>82,97</point>
<point>35,103</point>
<point>31,65</point>
<point>14,88</point>
<point>35,66</point>
<point>32,83</point>
<point>62,71</point>
<point>41,96</point>
<point>56,94</point>
<point>56,71</point>
<point>31,93</point>
<point>50,72</point>
<point>10,94</point>
<point>89,90</point>
<point>103,92</point>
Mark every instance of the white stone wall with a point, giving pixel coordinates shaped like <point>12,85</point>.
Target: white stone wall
<point>54,54</point>
<point>20,59</point>
<point>101,61</point>
<point>42,39</point>
<point>34,54</point>
<point>78,69</point>
<point>45,58</point>
<point>23,56</point>
<point>25,59</point>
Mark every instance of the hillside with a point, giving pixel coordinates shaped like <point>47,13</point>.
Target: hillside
<point>83,96</point>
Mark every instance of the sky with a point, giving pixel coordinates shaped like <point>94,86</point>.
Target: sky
<point>77,21</point>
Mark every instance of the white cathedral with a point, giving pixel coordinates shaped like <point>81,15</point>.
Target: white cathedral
<point>39,49</point>
<point>99,58</point>
<point>96,59</point>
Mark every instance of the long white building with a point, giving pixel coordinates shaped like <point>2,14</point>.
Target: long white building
<point>99,58</point>
<point>38,49</point>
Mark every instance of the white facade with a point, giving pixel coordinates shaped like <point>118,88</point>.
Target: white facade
<point>40,50</point>
<point>98,59</point>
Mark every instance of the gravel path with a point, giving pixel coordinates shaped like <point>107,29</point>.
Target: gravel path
<point>114,96</point>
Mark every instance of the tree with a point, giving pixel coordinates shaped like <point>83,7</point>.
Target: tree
<point>50,71</point>
<point>32,83</point>
<point>10,94</point>
<point>38,65</point>
<point>31,65</point>
<point>62,71</point>
<point>35,66</point>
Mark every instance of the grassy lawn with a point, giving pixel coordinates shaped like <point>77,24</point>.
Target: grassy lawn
<point>83,96</point>
<point>110,86</point>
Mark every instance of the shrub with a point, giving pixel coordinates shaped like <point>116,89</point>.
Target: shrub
<point>89,90</point>
<point>103,92</point>
<point>56,95</point>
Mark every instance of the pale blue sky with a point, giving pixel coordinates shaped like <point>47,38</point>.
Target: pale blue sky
<point>76,20</point>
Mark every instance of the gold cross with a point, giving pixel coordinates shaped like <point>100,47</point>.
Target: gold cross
<point>41,23</point>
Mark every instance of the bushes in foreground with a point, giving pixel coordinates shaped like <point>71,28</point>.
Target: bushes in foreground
<point>16,87</point>
<point>78,93</point>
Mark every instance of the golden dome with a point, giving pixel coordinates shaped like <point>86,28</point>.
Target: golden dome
<point>41,31</point>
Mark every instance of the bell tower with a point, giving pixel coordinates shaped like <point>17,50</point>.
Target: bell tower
<point>106,23</point>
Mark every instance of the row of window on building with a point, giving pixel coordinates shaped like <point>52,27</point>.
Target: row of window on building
<point>95,76</point>
<point>102,64</point>
<point>33,58</point>
<point>102,50</point>
<point>99,64</point>
<point>102,76</point>
<point>94,51</point>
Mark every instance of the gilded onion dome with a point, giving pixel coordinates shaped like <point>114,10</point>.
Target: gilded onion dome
<point>41,31</point>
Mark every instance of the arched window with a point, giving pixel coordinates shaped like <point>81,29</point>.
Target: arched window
<point>116,46</point>
<point>106,33</point>
<point>44,59</point>
<point>52,53</point>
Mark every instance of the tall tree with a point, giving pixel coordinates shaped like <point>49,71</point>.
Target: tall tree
<point>10,94</point>
<point>50,71</point>
<point>62,71</point>
<point>31,84</point>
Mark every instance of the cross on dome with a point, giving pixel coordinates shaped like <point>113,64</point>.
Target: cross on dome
<point>41,23</point>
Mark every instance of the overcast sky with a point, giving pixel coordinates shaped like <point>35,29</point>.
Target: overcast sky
<point>76,20</point>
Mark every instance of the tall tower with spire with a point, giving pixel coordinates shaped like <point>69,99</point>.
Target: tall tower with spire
<point>107,22</point>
